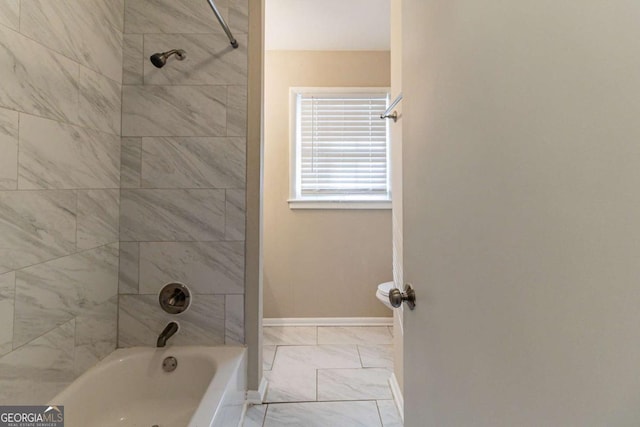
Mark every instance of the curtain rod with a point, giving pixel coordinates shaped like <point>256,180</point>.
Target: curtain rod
<point>225,27</point>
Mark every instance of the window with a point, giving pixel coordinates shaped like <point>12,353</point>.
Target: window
<point>340,148</point>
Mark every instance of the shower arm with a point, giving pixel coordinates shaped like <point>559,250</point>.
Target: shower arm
<point>225,27</point>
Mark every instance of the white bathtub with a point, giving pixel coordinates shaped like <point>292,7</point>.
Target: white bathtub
<point>129,388</point>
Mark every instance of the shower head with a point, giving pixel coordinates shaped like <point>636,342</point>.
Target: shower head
<point>159,59</point>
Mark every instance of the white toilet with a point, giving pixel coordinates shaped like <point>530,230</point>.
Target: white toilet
<point>383,293</point>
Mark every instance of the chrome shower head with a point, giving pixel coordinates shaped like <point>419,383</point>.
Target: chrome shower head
<point>160,59</point>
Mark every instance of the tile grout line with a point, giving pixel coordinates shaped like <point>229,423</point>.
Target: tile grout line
<point>140,159</point>
<point>224,319</point>
<point>328,401</point>
<point>13,326</point>
<point>75,344</point>
<point>62,256</point>
<point>41,335</point>
<point>120,190</point>
<point>20,17</point>
<point>54,51</point>
<point>379,414</point>
<point>173,188</point>
<point>68,122</point>
<point>224,226</point>
<point>50,189</point>
<point>18,156</point>
<point>169,85</point>
<point>79,89</point>
<point>142,61</point>
<point>264,418</point>
<point>273,361</point>
<point>374,401</point>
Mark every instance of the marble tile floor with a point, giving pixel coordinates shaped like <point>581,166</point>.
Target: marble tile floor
<point>327,377</point>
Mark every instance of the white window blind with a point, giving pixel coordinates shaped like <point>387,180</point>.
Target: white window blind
<point>342,146</point>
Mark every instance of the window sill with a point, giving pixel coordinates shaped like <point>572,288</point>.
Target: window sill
<point>339,204</point>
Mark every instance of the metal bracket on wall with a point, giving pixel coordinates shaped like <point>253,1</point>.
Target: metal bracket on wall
<point>388,114</point>
<point>225,27</point>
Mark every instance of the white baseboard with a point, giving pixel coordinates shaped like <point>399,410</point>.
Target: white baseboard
<point>256,397</point>
<point>397,395</point>
<point>328,321</point>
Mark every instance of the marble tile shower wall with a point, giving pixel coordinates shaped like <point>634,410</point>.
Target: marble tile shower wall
<point>60,124</point>
<point>182,207</point>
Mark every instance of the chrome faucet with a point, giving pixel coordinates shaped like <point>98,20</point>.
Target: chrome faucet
<point>167,333</point>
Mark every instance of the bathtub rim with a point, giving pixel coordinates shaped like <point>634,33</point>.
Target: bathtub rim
<point>228,360</point>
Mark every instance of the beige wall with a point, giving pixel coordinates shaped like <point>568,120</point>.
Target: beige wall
<point>318,263</point>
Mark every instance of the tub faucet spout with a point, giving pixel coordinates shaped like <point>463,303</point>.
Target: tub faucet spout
<point>167,333</point>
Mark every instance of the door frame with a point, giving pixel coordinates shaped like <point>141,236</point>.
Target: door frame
<point>253,233</point>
